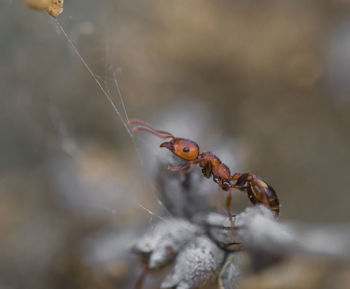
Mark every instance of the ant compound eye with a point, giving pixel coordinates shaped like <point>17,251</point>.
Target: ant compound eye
<point>186,149</point>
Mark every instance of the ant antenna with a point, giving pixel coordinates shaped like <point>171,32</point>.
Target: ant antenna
<point>140,125</point>
<point>158,134</point>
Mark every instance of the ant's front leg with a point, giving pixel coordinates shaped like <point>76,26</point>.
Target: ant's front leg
<point>186,165</point>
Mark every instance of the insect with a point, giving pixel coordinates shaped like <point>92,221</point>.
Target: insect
<point>258,190</point>
<point>53,7</point>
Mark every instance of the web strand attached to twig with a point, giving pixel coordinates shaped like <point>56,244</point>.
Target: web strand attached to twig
<point>107,94</point>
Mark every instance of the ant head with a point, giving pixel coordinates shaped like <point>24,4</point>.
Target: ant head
<point>182,148</point>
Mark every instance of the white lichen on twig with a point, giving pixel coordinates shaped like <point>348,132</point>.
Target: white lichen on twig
<point>205,257</point>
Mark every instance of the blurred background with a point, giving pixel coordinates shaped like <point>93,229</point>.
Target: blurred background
<point>264,82</point>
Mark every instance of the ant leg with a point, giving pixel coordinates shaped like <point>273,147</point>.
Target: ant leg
<point>207,169</point>
<point>141,279</point>
<point>186,165</point>
<point>247,189</point>
<point>254,181</point>
<point>186,169</point>
<point>228,209</point>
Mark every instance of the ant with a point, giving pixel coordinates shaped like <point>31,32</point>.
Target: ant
<point>258,191</point>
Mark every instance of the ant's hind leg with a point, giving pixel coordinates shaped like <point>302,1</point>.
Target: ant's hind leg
<point>254,181</point>
<point>228,209</point>
<point>141,279</point>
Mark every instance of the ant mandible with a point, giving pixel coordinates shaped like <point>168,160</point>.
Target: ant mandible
<point>259,191</point>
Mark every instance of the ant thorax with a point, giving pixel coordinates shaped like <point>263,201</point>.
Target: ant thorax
<point>212,165</point>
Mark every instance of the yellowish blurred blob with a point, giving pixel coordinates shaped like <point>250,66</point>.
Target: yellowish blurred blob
<point>53,7</point>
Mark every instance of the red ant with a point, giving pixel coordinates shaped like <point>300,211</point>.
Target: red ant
<point>259,191</point>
